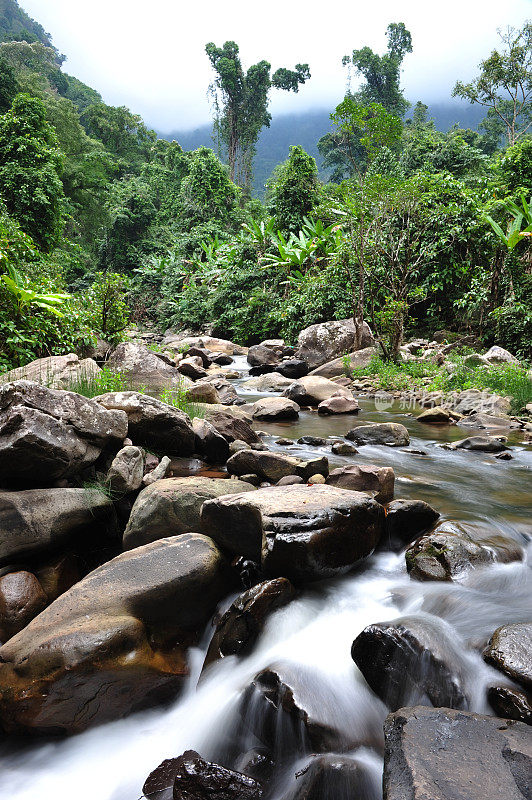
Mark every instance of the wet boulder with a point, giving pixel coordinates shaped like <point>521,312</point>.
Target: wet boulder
<point>326,341</point>
<point>126,471</point>
<point>338,405</point>
<point>192,367</point>
<point>153,424</point>
<point>140,366</point>
<point>21,599</point>
<point>344,449</point>
<point>303,533</point>
<point>444,554</point>
<point>172,506</point>
<point>406,520</point>
<point>36,521</point>
<point>240,626</point>
<point>260,355</point>
<point>333,776</point>
<point>190,777</point>
<point>275,408</point>
<point>57,574</point>
<point>312,390</point>
<point>365,478</point>
<point>209,444</point>
<point>510,651</point>
<point>412,660</point>
<point>273,466</point>
<point>445,754</point>
<point>391,434</point>
<point>48,434</point>
<point>116,641</point>
<point>511,703</point>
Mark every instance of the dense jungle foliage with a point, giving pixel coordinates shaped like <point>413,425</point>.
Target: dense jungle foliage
<point>103,224</point>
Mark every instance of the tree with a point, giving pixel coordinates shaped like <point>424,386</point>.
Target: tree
<point>241,103</point>
<point>207,193</point>
<point>30,168</point>
<point>293,191</point>
<point>382,74</point>
<point>504,85</point>
<point>8,86</point>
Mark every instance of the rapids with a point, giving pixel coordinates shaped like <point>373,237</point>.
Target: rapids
<point>315,632</point>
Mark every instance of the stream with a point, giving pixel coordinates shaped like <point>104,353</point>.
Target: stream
<point>314,633</point>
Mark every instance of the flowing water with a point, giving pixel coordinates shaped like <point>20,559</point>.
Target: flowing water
<point>313,635</point>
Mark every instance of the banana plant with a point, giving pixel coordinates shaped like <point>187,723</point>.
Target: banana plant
<point>515,233</point>
<point>261,233</point>
<point>23,298</point>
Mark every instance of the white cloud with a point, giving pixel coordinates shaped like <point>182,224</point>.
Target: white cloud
<point>150,56</point>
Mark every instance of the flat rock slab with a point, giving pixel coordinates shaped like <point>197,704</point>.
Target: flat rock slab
<point>443,754</point>
<point>172,506</point>
<point>303,533</point>
<point>108,645</point>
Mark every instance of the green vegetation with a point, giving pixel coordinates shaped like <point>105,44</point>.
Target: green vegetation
<point>102,224</point>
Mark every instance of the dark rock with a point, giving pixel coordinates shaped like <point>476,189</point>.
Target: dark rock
<point>333,776</point>
<point>209,444</point>
<point>293,368</point>
<point>48,434</point>
<point>365,478</point>
<point>273,466</point>
<point>484,444</point>
<point>190,777</point>
<point>58,574</point>
<point>406,520</point>
<point>312,441</point>
<point>172,506</point>
<point>261,356</point>
<point>391,434</point>
<point>257,764</point>
<point>444,554</point>
<point>231,427</point>
<point>511,703</point>
<point>444,754</point>
<point>510,651</point>
<point>226,391</point>
<point>153,424</point>
<point>203,354</point>
<point>21,599</point>
<point>411,660</point>
<point>221,359</point>
<point>193,368</point>
<point>116,641</point>
<point>240,626</point>
<point>303,533</point>
<point>284,442</point>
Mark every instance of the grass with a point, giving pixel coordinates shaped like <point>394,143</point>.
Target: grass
<point>508,380</point>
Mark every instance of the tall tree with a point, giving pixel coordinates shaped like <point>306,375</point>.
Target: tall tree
<point>241,103</point>
<point>504,85</point>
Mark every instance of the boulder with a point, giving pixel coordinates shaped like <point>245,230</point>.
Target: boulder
<point>273,466</point>
<point>108,645</point>
<point>153,424</point>
<point>126,471</point>
<point>487,422</point>
<point>210,343</point>
<point>483,444</point>
<point>55,372</point>
<point>345,364</point>
<point>473,401</point>
<point>445,754</point>
<point>172,506</point>
<point>344,449</point>
<point>406,520</point>
<point>203,392</point>
<point>333,776</point>
<point>510,651</point>
<point>498,355</point>
<point>290,480</point>
<point>192,368</point>
<point>21,599</point>
<point>203,354</point>
<point>260,355</point>
<point>225,390</point>
<point>412,659</point>
<point>444,554</point>
<point>140,366</point>
<point>436,416</point>
<point>232,427</point>
<point>190,777</point>
<point>365,478</point>
<point>58,574</point>
<point>312,390</point>
<point>35,521</point>
<point>293,368</point>
<point>338,405</point>
<point>48,434</point>
<point>269,382</point>
<point>325,341</point>
<point>209,444</point>
<point>312,441</point>
<point>511,703</point>
<point>274,408</point>
<point>303,533</point>
<point>241,625</point>
<point>391,434</point>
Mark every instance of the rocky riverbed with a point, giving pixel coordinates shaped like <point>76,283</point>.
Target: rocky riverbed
<point>270,600</point>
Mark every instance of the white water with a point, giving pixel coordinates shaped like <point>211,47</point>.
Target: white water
<point>315,633</point>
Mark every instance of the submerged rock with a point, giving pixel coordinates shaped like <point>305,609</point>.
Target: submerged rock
<point>444,554</point>
<point>444,754</point>
<point>116,641</point>
<point>303,533</point>
<point>391,434</point>
<point>411,660</point>
<point>240,626</point>
<point>484,444</point>
<point>510,651</point>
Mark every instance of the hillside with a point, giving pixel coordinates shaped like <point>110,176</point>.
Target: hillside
<point>16,24</point>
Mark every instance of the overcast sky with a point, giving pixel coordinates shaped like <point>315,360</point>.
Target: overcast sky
<point>150,55</point>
